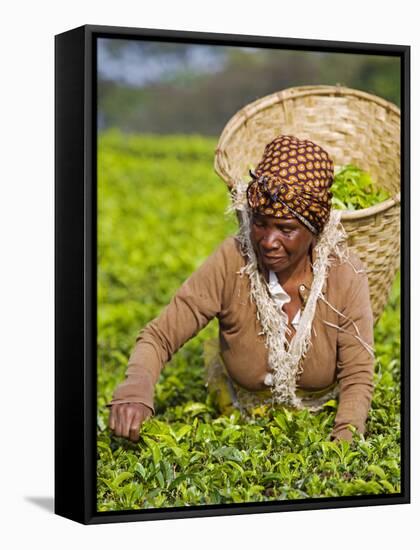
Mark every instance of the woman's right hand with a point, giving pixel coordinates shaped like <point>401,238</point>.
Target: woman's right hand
<point>125,419</point>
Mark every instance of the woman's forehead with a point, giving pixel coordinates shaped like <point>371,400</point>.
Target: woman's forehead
<point>273,219</point>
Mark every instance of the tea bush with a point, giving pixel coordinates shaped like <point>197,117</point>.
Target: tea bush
<point>160,213</point>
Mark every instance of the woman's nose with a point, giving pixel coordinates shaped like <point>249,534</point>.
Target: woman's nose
<point>271,241</point>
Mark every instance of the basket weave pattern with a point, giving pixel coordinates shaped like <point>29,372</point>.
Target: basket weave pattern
<point>354,127</point>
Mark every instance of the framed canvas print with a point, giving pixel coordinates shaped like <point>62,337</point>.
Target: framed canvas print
<point>232,274</point>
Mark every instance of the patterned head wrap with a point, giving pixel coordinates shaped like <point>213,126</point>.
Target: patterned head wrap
<point>293,179</point>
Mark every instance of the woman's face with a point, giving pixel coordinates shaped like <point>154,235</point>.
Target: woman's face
<point>281,243</point>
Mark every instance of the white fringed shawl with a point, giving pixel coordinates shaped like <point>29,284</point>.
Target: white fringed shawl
<point>285,360</point>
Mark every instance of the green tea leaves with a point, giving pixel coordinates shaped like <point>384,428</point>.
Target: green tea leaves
<point>354,189</point>
<point>189,454</point>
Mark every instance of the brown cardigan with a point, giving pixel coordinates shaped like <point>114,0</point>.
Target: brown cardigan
<point>216,289</point>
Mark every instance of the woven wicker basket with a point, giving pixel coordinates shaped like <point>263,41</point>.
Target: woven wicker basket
<point>354,127</point>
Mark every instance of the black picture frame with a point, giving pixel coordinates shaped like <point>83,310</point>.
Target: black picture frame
<point>75,272</point>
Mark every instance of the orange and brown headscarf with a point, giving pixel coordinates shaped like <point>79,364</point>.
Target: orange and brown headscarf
<point>293,179</point>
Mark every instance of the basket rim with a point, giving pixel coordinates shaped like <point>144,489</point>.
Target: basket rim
<point>353,215</point>
<point>262,103</point>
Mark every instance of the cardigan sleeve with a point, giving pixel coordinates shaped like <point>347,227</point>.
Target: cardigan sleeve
<point>197,301</point>
<point>355,360</point>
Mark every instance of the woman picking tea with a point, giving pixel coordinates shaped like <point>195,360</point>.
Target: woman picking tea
<point>292,302</point>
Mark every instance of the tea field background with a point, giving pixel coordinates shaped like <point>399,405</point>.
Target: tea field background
<point>161,212</point>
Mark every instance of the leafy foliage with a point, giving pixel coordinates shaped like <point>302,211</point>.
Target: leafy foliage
<point>354,189</point>
<point>160,215</point>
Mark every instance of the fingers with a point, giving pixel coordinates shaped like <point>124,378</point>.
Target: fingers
<point>111,421</point>
<point>134,429</point>
<point>126,418</point>
<point>140,415</point>
<point>118,419</point>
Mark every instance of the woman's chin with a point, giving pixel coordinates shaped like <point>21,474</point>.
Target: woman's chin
<point>275,264</point>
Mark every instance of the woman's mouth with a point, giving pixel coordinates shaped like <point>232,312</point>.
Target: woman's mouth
<point>271,258</point>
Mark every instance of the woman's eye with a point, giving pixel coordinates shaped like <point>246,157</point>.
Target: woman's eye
<point>285,230</point>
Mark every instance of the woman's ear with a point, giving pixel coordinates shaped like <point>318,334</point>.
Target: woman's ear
<point>312,246</point>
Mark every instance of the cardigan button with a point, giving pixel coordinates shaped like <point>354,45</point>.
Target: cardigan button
<point>268,380</point>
